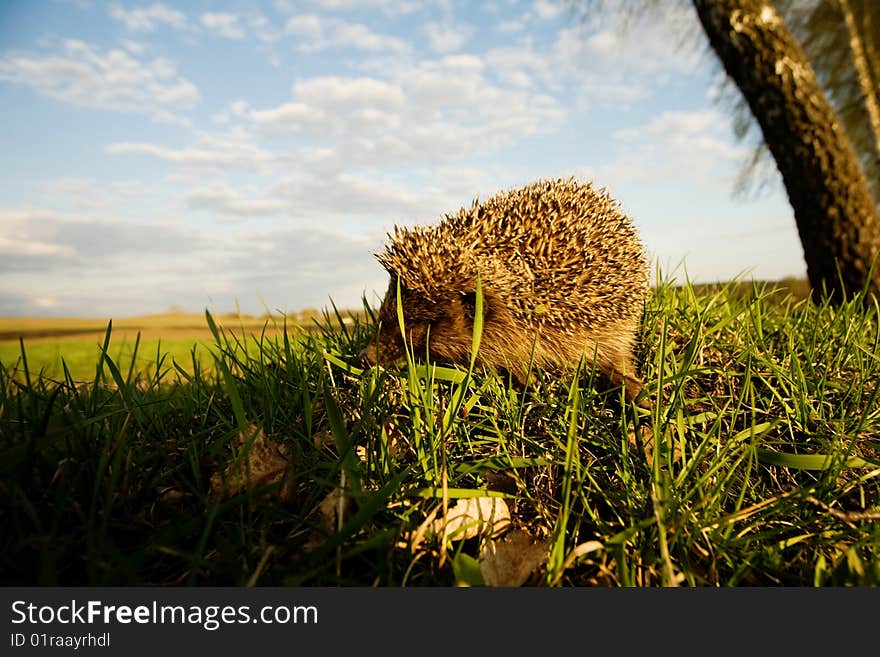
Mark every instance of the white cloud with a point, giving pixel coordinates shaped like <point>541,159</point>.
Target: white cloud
<point>304,267</point>
<point>263,29</point>
<point>641,49</point>
<point>223,24</point>
<point>232,203</point>
<point>233,110</point>
<point>186,156</point>
<point>338,197</point>
<point>436,111</point>
<point>46,302</point>
<point>290,117</point>
<point>510,26</point>
<point>334,105</point>
<point>546,10</point>
<point>90,196</point>
<point>689,130</point>
<point>444,37</point>
<point>114,80</point>
<point>10,246</point>
<point>607,67</point>
<point>388,7</point>
<point>95,267</point>
<point>45,240</point>
<point>238,107</point>
<point>315,33</point>
<point>231,149</point>
<point>361,37</point>
<point>149,18</point>
<point>657,152</point>
<point>307,26</point>
<point>332,91</point>
<point>540,10</point>
<point>134,47</point>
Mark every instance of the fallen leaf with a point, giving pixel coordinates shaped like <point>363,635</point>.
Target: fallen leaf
<point>474,516</point>
<point>511,560</point>
<point>258,462</point>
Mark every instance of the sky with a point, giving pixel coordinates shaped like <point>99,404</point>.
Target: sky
<point>253,156</point>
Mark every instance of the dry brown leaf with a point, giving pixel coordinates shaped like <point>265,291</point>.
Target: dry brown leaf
<point>260,462</point>
<point>474,516</point>
<point>331,514</point>
<point>511,560</point>
<point>646,436</point>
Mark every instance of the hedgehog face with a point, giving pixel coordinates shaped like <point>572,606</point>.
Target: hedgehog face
<point>443,329</point>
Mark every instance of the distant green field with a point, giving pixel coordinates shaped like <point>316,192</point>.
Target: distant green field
<point>81,356</point>
<point>50,343</point>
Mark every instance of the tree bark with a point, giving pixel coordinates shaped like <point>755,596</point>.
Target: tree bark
<point>835,212</point>
<point>863,73</point>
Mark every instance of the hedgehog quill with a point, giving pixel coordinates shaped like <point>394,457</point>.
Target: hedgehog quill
<point>563,276</point>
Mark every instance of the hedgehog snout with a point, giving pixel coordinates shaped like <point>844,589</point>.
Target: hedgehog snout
<point>374,353</point>
<point>382,349</point>
<point>367,356</point>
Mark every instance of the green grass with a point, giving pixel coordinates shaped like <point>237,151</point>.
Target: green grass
<point>755,462</point>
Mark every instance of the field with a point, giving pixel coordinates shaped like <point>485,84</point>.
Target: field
<point>78,341</point>
<point>274,458</point>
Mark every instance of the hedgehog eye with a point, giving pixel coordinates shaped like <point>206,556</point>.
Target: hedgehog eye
<point>469,304</point>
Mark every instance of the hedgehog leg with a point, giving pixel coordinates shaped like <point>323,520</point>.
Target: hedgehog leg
<point>621,371</point>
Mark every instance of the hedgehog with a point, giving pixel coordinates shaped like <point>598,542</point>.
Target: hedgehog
<point>563,277</point>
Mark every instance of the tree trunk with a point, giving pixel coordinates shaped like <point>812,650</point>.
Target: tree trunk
<point>836,214</point>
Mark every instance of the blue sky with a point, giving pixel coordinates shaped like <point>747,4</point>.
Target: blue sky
<point>223,154</point>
